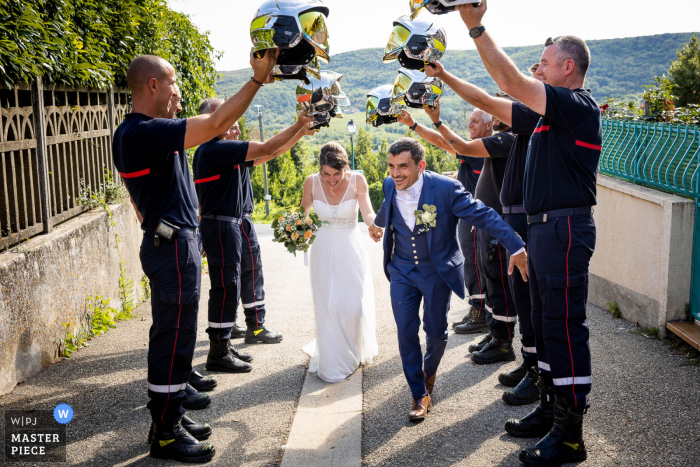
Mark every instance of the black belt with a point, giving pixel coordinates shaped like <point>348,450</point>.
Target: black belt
<point>513,210</point>
<point>190,231</point>
<point>232,220</point>
<point>545,216</point>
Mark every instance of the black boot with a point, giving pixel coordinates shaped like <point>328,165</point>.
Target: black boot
<point>475,325</point>
<point>237,332</point>
<point>240,355</point>
<point>526,392</point>
<point>261,335</point>
<point>538,422</point>
<point>480,345</point>
<point>195,400</point>
<point>564,443</point>
<point>510,380</point>
<point>200,431</point>
<point>495,351</point>
<point>470,314</point>
<point>220,358</point>
<point>176,443</point>
<point>201,382</point>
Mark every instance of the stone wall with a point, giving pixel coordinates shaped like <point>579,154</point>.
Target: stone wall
<point>45,282</point>
<point>643,253</point>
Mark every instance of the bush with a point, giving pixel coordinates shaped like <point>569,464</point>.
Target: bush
<point>376,195</point>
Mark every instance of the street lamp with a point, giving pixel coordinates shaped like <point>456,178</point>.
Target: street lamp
<point>262,140</point>
<point>352,129</point>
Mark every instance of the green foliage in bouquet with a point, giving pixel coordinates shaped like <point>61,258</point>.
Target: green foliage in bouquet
<point>296,229</point>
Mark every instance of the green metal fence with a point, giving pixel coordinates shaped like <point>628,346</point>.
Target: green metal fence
<point>662,156</point>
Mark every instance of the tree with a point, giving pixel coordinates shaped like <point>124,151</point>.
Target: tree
<point>685,73</point>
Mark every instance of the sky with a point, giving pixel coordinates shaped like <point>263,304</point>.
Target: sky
<point>361,24</point>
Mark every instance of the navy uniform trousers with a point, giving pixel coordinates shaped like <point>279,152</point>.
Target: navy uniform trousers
<point>251,282</point>
<point>174,271</point>
<point>222,242</point>
<point>520,291</point>
<point>560,251</point>
<point>476,288</point>
<point>493,265</point>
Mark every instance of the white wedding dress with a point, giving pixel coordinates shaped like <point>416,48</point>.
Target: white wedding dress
<point>341,282</point>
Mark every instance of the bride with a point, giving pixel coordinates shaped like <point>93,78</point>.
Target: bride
<point>341,279</point>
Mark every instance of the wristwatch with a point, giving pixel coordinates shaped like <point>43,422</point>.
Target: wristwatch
<point>437,124</point>
<point>476,32</point>
<point>413,128</point>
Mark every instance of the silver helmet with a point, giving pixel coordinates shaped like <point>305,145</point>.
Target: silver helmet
<point>416,89</point>
<point>380,110</point>
<point>437,7</point>
<point>415,43</point>
<point>296,27</point>
<point>322,95</point>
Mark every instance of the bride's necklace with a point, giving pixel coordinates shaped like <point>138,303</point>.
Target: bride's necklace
<point>331,186</point>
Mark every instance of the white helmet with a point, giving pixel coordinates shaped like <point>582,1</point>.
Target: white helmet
<point>297,27</point>
<point>416,89</point>
<point>437,7</point>
<point>415,43</point>
<point>380,110</point>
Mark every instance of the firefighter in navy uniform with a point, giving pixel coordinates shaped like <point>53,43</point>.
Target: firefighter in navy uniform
<point>149,153</point>
<point>524,379</point>
<point>559,193</point>
<point>468,175</point>
<point>217,166</point>
<point>251,286</point>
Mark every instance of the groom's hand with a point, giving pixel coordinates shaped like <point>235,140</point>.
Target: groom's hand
<point>376,233</point>
<point>521,262</point>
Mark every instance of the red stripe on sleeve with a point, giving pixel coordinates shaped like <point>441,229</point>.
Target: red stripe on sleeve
<point>205,180</point>
<point>478,172</point>
<point>140,173</point>
<point>541,128</point>
<point>589,146</point>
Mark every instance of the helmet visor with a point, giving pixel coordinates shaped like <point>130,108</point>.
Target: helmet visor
<point>417,7</point>
<point>401,86</point>
<point>314,29</point>
<point>398,39</point>
<point>270,31</point>
<point>372,105</point>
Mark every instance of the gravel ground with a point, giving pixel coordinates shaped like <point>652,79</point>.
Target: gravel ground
<point>644,406</point>
<point>251,414</point>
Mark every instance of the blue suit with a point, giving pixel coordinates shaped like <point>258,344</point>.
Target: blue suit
<point>428,266</point>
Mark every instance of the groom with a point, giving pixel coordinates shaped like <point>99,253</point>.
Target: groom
<point>424,262</point>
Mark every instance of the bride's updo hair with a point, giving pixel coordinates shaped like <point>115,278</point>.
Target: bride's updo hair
<point>333,155</point>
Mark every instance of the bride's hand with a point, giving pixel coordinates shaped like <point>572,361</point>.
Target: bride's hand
<point>376,233</point>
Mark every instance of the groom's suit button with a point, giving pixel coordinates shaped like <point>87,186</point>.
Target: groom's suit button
<point>416,262</point>
<point>413,238</point>
<point>415,250</point>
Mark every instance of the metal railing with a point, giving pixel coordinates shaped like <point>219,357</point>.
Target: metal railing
<point>662,156</point>
<point>42,172</point>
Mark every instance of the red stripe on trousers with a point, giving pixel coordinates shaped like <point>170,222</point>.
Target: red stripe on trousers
<point>140,173</point>
<point>478,279</point>
<point>500,260</point>
<point>223,264</point>
<point>252,263</point>
<point>589,145</point>
<point>177,331</point>
<point>571,355</point>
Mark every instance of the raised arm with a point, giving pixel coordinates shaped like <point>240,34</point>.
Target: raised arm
<point>500,108</point>
<point>462,147</point>
<point>364,201</point>
<point>431,136</point>
<point>529,91</point>
<point>257,150</point>
<point>290,144</point>
<point>203,128</point>
<point>307,198</point>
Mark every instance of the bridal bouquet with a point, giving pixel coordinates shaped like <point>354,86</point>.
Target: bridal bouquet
<point>296,229</point>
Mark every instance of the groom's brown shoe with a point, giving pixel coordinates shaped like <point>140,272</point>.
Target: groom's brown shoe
<point>420,409</point>
<point>430,383</point>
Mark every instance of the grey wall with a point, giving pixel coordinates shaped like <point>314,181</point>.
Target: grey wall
<point>46,281</point>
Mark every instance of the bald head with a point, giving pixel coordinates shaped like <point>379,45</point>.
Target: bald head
<point>145,68</point>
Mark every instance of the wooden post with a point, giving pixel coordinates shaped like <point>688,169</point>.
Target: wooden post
<point>42,162</point>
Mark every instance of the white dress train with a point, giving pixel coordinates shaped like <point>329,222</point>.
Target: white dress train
<point>341,282</point>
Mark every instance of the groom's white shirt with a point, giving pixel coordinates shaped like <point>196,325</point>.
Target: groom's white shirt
<point>407,201</point>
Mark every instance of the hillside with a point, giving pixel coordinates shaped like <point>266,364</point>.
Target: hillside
<point>619,68</point>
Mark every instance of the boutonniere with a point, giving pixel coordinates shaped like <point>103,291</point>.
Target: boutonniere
<point>426,217</point>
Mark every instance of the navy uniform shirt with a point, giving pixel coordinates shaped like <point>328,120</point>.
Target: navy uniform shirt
<point>247,187</point>
<point>512,191</point>
<point>216,168</point>
<point>149,154</point>
<point>488,190</point>
<point>565,149</point>
<point>469,170</point>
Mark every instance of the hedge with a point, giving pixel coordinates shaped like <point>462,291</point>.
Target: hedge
<point>90,43</point>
